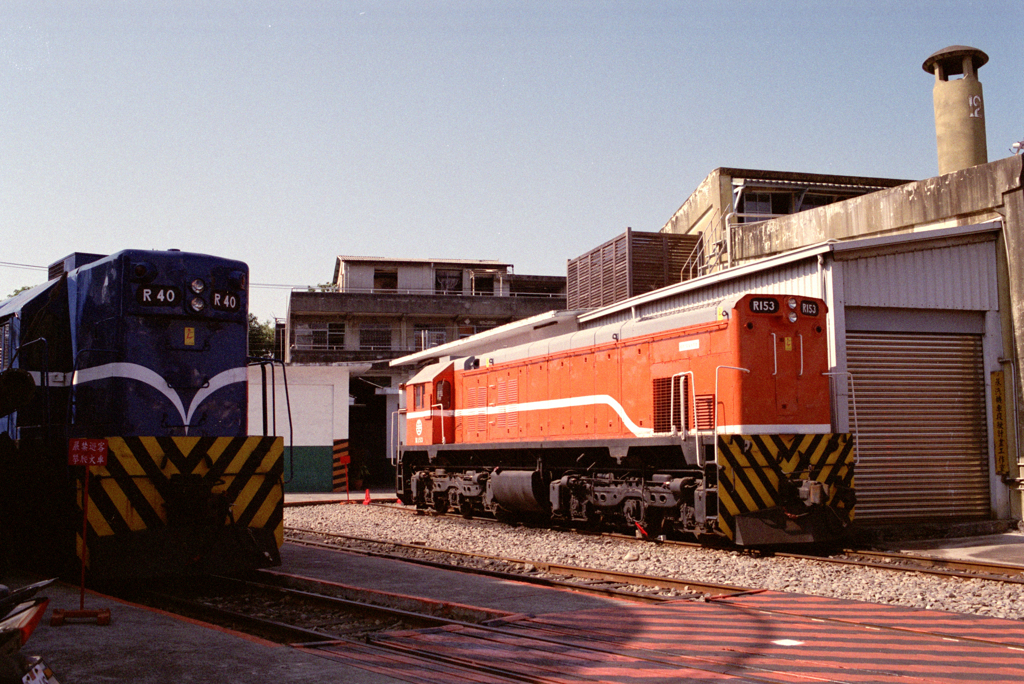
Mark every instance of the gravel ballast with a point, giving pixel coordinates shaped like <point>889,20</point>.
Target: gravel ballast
<point>533,545</point>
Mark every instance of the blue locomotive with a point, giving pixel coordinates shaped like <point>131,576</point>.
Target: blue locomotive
<point>145,351</point>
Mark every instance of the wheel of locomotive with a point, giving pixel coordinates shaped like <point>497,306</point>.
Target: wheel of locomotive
<point>581,510</point>
<point>633,512</point>
<point>465,507</point>
<point>460,503</point>
<point>440,503</point>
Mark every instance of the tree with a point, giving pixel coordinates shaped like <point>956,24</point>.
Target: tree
<point>261,337</point>
<point>19,290</point>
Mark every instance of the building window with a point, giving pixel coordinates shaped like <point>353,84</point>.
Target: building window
<point>448,281</point>
<point>812,201</point>
<point>428,336</point>
<point>375,337</point>
<point>385,280</point>
<point>470,330</point>
<point>483,285</point>
<point>320,336</point>
<point>761,206</point>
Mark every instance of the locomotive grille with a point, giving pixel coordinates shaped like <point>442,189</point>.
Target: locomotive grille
<point>705,411</point>
<point>670,409</point>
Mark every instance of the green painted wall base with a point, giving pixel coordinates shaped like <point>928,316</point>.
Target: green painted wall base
<point>308,469</point>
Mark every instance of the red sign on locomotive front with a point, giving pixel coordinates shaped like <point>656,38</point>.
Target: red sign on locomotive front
<point>87,452</point>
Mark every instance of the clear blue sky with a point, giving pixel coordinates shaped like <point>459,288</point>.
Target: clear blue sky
<point>286,133</point>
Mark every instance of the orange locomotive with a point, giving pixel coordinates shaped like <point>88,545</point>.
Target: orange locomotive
<point>711,421</point>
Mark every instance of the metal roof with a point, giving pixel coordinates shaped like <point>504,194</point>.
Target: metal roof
<point>487,263</point>
<point>789,257</point>
<point>489,339</point>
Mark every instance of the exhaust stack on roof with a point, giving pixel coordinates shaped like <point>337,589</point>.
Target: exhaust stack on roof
<point>959,108</point>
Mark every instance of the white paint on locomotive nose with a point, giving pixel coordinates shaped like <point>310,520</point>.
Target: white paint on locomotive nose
<point>787,642</point>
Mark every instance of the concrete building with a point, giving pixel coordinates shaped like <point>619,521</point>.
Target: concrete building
<point>377,309</point>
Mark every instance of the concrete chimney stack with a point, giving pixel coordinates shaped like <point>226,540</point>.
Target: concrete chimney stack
<point>959,107</point>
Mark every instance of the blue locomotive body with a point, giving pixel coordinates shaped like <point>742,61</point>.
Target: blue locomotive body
<point>147,350</point>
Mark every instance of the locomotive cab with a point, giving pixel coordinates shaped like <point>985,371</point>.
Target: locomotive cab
<point>430,418</point>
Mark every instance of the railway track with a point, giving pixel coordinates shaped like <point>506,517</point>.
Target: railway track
<point>422,639</point>
<point>307,612</point>
<point>607,582</point>
<point>891,561</point>
<point>999,572</point>
<point>596,581</point>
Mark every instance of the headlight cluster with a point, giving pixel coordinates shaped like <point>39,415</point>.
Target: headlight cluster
<point>791,303</point>
<point>197,303</point>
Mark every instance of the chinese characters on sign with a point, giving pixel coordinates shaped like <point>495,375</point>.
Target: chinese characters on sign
<point>87,452</point>
<point>999,423</point>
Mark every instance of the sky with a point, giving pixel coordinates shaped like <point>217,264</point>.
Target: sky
<point>286,133</point>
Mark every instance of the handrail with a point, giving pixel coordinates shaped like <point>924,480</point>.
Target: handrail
<point>745,370</point>
<point>801,353</point>
<point>856,427</point>
<point>263,363</point>
<point>439,406</point>
<point>672,410</point>
<point>394,447</point>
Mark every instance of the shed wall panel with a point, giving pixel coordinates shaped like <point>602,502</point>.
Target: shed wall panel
<point>952,277</point>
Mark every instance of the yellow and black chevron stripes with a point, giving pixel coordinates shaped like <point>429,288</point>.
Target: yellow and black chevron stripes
<point>758,472</point>
<point>147,479</point>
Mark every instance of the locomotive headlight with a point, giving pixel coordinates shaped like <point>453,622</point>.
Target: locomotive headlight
<point>198,286</point>
<point>197,304</point>
<point>792,316</point>
<point>792,304</point>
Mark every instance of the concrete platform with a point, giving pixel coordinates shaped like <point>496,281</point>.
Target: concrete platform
<point>144,646</point>
<point>998,548</point>
<point>398,577</point>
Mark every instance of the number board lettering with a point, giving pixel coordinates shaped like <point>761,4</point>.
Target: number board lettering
<point>158,295</point>
<point>764,305</point>
<point>809,308</point>
<point>226,301</point>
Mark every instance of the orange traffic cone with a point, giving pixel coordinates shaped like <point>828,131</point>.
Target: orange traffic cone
<point>366,500</point>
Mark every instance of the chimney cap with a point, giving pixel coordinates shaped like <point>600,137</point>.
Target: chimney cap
<point>952,59</point>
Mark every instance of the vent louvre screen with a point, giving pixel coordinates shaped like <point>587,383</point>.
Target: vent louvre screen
<point>705,411</point>
<point>669,405</point>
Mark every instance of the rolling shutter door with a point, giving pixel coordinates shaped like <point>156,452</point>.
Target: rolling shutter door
<point>923,439</point>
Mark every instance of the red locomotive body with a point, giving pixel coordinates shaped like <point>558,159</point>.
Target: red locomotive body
<point>715,420</point>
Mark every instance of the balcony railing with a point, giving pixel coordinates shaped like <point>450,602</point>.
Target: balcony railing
<point>426,292</point>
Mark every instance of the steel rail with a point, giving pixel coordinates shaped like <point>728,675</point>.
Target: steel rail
<point>695,588</point>
<point>896,562</point>
<point>952,567</point>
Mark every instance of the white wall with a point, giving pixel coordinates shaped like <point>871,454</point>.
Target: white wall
<point>319,403</point>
